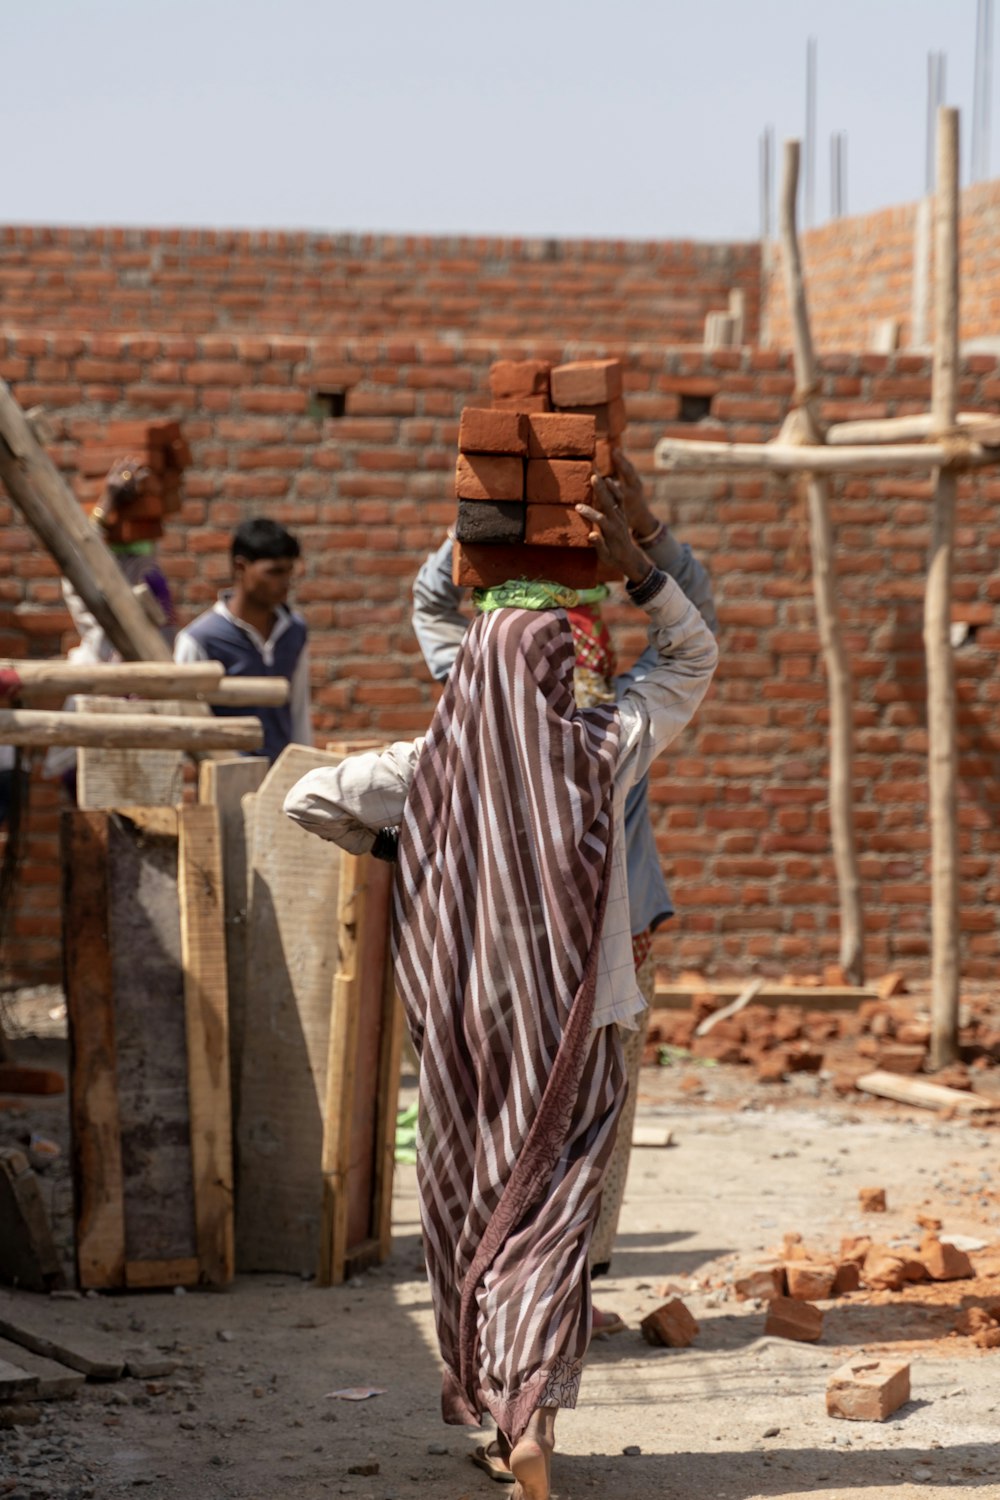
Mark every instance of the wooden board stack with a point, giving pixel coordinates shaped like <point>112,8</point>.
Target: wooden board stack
<point>157,447</point>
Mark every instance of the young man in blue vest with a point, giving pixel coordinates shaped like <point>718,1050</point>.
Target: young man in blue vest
<point>253,633</point>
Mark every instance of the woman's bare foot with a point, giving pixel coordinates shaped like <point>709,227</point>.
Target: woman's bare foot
<point>531,1457</point>
<point>530,1464</point>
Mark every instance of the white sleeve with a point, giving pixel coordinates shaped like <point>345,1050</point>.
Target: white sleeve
<point>187,649</point>
<point>655,709</point>
<point>302,733</point>
<point>349,803</point>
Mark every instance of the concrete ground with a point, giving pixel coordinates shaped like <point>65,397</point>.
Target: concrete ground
<point>248,1415</point>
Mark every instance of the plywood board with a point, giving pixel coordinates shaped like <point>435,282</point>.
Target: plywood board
<point>224,783</point>
<point>130,778</point>
<point>146,1000</point>
<point>150,1041</point>
<point>291,958</point>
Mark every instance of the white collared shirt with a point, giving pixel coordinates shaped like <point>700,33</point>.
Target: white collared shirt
<point>188,649</point>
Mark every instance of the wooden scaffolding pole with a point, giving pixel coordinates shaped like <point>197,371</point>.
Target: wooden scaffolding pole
<point>804,423</point>
<point>941,716</point>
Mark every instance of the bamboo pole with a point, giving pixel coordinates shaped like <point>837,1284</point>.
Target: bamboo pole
<point>25,726</point>
<point>941,715</point>
<point>41,495</point>
<point>838,671</point>
<point>687,455</point>
<point>249,692</point>
<point>901,429</point>
<point>31,680</point>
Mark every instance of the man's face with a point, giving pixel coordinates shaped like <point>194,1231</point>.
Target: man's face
<point>266,582</point>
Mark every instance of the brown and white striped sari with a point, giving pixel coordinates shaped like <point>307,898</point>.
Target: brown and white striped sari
<point>504,857</point>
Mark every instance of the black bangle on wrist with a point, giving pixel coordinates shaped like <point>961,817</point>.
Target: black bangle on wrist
<point>641,593</point>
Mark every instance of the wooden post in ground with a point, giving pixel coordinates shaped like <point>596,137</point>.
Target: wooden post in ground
<point>941,717</point>
<point>804,424</point>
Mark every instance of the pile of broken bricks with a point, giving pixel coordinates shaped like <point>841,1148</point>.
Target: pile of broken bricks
<point>888,1034</point>
<point>788,1287</point>
<point>524,465</point>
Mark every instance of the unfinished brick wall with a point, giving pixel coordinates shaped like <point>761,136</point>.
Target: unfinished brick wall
<point>740,802</point>
<point>860,270</point>
<point>202,281</point>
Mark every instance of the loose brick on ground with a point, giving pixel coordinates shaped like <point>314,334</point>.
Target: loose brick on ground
<point>558,481</point>
<point>847,1279</point>
<point>944,1261</point>
<point>886,1269</point>
<point>480,476</point>
<point>788,1319</point>
<point>586,382</point>
<point>484,429</point>
<point>671,1325</point>
<point>810,1281</point>
<point>872,1200</point>
<point>490,522</point>
<point>762,1286</point>
<point>868,1390</point>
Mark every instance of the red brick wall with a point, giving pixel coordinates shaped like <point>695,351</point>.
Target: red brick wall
<point>740,803</point>
<point>201,281</point>
<point>860,270</point>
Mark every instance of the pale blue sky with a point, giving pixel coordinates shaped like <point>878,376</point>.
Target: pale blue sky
<point>547,117</point>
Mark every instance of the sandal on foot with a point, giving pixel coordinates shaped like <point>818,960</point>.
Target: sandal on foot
<point>605,1325</point>
<point>487,1457</point>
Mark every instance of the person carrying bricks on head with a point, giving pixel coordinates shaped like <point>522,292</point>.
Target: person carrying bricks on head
<point>513,959</point>
<point>138,564</point>
<point>253,633</point>
<point>440,628</point>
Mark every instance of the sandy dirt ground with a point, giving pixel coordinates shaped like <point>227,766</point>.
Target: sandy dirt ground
<point>247,1414</point>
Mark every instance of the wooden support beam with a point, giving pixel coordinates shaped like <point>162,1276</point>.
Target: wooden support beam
<point>985,429</point>
<point>689,456</point>
<point>203,959</point>
<point>147,679</point>
<point>941,714</point>
<point>46,504</point>
<point>824,567</point>
<point>250,692</point>
<point>26,726</point>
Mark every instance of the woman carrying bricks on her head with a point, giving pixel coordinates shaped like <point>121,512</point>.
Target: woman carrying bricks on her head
<point>440,627</point>
<point>513,961</point>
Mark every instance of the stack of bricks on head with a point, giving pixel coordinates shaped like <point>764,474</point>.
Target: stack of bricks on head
<point>526,462</point>
<point>159,452</point>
